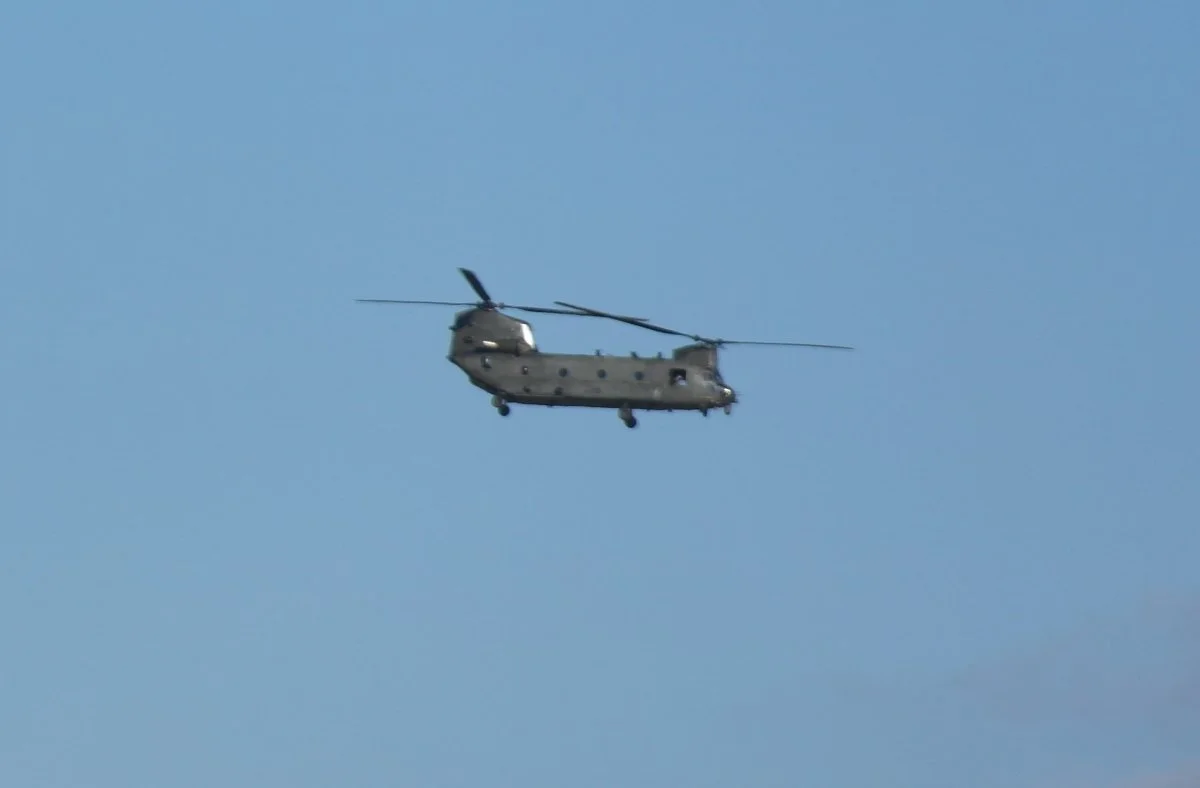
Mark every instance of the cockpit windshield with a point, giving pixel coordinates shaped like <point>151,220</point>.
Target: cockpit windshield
<point>527,335</point>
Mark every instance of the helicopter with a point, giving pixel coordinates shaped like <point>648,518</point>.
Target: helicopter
<point>498,354</point>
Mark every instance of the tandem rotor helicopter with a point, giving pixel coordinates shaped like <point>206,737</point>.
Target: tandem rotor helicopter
<point>499,355</point>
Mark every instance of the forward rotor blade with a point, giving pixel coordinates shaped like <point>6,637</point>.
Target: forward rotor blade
<point>551,311</point>
<point>633,321</point>
<point>539,309</point>
<point>782,344</point>
<point>545,310</point>
<point>394,301</point>
<point>476,285</point>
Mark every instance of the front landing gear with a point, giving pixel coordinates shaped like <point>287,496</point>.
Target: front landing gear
<point>627,416</point>
<point>500,405</point>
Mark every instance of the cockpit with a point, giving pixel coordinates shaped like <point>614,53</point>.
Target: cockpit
<point>527,335</point>
<point>711,380</point>
<point>489,331</point>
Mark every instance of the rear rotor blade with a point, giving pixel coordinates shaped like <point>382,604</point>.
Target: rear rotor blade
<point>476,285</point>
<point>696,337</point>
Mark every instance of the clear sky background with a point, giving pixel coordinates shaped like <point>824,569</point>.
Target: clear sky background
<point>255,534</point>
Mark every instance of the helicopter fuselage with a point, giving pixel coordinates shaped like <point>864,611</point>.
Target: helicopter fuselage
<point>498,354</point>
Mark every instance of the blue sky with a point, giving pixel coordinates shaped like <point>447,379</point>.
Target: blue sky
<point>255,534</point>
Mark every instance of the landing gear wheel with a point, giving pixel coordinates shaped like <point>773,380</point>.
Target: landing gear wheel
<point>500,405</point>
<point>503,410</point>
<point>728,409</point>
<point>628,417</point>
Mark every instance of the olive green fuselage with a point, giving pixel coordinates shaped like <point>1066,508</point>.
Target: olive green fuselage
<point>499,355</point>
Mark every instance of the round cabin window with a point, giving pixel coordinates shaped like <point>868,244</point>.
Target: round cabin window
<point>639,375</point>
<point>562,373</point>
<point>601,374</point>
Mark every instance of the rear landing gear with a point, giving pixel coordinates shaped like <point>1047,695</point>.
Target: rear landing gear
<point>500,405</point>
<point>627,416</point>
